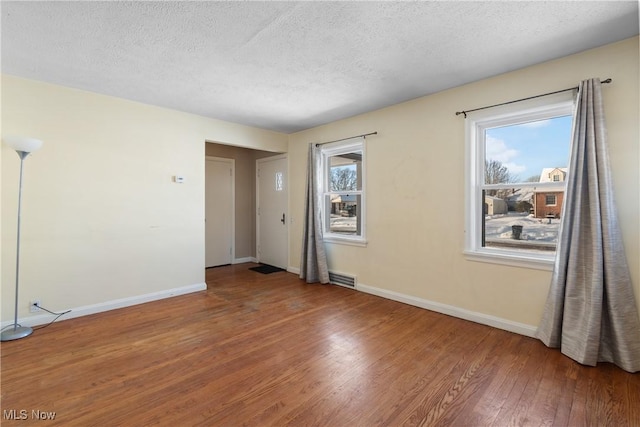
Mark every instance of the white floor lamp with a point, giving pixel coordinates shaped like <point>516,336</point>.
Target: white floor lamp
<point>23,147</point>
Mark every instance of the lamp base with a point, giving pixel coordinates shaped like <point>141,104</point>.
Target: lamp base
<point>16,333</point>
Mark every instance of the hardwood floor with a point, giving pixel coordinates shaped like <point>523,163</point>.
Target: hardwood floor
<point>266,350</point>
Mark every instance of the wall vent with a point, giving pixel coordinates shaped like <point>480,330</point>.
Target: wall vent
<point>341,279</point>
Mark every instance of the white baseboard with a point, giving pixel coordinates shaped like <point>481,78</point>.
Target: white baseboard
<point>243,260</point>
<point>86,310</point>
<point>293,270</point>
<point>484,319</point>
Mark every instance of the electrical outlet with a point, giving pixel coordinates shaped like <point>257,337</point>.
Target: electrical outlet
<point>34,306</point>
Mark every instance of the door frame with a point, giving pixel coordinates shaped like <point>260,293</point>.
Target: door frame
<point>232,164</point>
<point>288,194</point>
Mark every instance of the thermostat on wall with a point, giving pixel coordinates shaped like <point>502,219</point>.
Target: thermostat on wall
<point>178,178</point>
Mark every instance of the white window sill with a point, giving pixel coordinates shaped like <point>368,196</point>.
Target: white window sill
<point>345,241</point>
<point>537,262</point>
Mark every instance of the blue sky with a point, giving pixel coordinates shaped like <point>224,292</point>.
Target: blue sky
<point>528,148</point>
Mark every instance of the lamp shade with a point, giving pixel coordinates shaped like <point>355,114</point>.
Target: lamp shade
<point>21,143</point>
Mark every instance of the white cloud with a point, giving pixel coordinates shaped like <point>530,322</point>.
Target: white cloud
<point>515,168</point>
<point>496,149</point>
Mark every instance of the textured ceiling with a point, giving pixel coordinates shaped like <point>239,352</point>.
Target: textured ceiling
<point>289,66</point>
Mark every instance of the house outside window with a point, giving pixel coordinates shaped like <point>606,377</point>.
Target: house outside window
<point>509,181</point>
<point>548,204</point>
<point>343,192</point>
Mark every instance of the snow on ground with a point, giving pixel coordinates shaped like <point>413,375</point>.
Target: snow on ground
<point>496,226</point>
<point>343,224</point>
<point>533,229</point>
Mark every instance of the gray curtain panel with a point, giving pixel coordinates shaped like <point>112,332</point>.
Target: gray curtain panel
<point>590,313</point>
<point>313,261</point>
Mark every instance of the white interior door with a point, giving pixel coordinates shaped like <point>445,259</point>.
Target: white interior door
<point>272,214</point>
<point>219,211</point>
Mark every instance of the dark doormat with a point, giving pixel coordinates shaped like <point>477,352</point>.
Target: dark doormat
<point>266,269</point>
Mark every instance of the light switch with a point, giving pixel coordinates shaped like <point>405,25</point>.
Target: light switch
<point>178,179</point>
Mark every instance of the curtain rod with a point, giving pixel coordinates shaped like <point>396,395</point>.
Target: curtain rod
<point>344,139</point>
<point>523,99</point>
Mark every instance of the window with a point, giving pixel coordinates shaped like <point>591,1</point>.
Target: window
<point>343,192</point>
<point>517,160</point>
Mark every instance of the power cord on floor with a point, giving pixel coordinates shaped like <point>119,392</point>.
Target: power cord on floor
<point>49,311</point>
<point>44,326</point>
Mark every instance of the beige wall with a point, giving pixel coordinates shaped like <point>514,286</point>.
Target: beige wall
<point>245,193</point>
<point>102,219</point>
<point>414,247</point>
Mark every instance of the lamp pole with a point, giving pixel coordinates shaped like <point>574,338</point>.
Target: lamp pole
<point>23,147</point>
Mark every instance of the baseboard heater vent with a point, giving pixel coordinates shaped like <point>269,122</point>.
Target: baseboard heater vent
<point>342,279</point>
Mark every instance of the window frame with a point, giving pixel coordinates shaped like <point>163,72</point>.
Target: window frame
<point>326,152</point>
<point>476,124</point>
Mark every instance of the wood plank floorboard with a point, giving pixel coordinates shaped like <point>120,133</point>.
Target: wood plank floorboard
<point>271,350</point>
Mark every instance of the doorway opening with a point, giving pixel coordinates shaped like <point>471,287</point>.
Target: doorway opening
<point>244,197</point>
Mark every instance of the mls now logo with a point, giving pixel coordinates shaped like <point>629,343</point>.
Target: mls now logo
<point>23,414</point>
